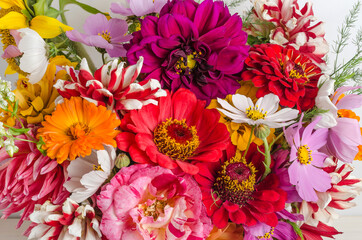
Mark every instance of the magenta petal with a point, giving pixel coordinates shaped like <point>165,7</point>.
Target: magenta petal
<point>11,51</point>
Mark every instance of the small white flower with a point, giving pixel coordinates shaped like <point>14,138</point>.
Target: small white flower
<point>263,112</point>
<point>2,129</point>
<point>3,103</point>
<point>10,146</point>
<point>87,174</point>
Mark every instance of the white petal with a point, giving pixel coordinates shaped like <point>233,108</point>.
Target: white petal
<point>241,102</point>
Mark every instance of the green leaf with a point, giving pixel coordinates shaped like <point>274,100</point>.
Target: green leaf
<point>84,6</point>
<point>18,131</point>
<point>39,145</point>
<point>297,229</point>
<point>15,108</point>
<point>40,7</point>
<point>26,13</point>
<point>52,12</point>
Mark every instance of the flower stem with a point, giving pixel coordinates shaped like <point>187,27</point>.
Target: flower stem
<point>267,160</point>
<point>25,140</point>
<point>249,142</point>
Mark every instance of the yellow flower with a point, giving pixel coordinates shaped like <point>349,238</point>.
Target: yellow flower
<point>76,127</point>
<point>46,27</point>
<point>240,132</point>
<point>37,100</point>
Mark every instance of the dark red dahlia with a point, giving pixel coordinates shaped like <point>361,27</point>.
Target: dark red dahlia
<point>195,46</point>
<point>284,72</point>
<point>175,134</point>
<point>234,189</point>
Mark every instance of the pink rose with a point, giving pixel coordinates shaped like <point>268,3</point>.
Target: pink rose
<point>150,202</point>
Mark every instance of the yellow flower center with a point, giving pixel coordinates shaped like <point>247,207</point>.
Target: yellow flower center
<point>176,139</point>
<point>97,167</point>
<point>186,65</point>
<point>255,114</point>
<point>236,180</point>
<point>297,72</point>
<point>267,235</point>
<point>106,35</point>
<point>154,209</point>
<point>304,155</point>
<point>78,130</point>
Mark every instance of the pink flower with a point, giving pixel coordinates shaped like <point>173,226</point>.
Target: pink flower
<point>29,178</point>
<point>150,202</point>
<point>288,25</point>
<point>137,7</point>
<point>68,222</point>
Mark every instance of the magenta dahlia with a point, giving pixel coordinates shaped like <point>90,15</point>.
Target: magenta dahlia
<point>172,135</point>
<point>29,178</point>
<point>234,189</point>
<point>195,46</point>
<point>284,72</point>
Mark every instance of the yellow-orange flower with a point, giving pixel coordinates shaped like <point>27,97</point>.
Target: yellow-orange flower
<point>37,100</point>
<point>240,132</point>
<point>231,231</point>
<point>76,127</point>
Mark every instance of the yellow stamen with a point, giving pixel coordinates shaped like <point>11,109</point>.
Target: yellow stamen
<point>255,114</point>
<point>155,209</point>
<point>97,168</point>
<point>304,155</point>
<point>106,35</point>
<point>267,235</point>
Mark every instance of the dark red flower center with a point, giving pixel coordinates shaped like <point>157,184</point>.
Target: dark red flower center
<point>176,139</point>
<point>297,72</point>
<point>235,181</point>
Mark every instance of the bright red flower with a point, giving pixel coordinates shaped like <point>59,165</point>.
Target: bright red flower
<point>176,133</point>
<point>316,233</point>
<point>285,72</point>
<point>234,189</point>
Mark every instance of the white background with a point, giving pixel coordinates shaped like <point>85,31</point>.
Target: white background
<point>332,12</point>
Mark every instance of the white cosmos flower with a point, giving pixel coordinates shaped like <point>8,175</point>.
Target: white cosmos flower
<point>87,174</point>
<point>263,112</point>
<point>34,59</point>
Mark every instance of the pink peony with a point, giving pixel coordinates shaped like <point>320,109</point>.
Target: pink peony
<point>150,202</point>
<point>29,178</point>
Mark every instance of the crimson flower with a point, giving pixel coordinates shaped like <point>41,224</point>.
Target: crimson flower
<point>234,189</point>
<point>315,233</point>
<point>176,133</point>
<point>285,72</point>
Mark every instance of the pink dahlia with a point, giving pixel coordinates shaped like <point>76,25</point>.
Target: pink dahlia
<point>176,133</point>
<point>285,72</point>
<point>29,178</point>
<point>150,202</point>
<point>195,46</point>
<point>113,86</point>
<point>234,189</point>
<point>68,221</point>
<point>288,25</point>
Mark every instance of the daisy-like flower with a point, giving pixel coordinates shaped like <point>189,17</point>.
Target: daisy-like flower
<point>76,127</point>
<point>285,72</point>
<point>103,33</point>
<point>113,86</point>
<point>87,174</point>
<point>233,189</point>
<point>263,112</point>
<point>137,7</point>
<point>262,231</point>
<point>172,135</point>
<point>306,160</point>
<point>67,221</point>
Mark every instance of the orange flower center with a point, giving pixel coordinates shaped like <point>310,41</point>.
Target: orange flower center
<point>176,139</point>
<point>78,130</point>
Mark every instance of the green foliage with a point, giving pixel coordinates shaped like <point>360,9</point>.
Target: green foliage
<point>297,229</point>
<point>311,113</point>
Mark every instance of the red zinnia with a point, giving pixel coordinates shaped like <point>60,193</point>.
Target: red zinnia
<point>285,72</point>
<point>234,189</point>
<point>175,133</point>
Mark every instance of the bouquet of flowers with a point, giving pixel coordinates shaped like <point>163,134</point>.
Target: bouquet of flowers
<point>201,124</point>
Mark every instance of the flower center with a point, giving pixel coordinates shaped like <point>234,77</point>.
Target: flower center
<point>97,168</point>
<point>176,139</point>
<point>235,181</point>
<point>267,235</point>
<point>106,35</point>
<point>78,130</point>
<point>297,72</point>
<point>255,114</point>
<point>304,155</point>
<point>153,208</point>
<point>186,65</point>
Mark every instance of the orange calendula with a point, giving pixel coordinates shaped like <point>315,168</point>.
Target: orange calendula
<point>76,127</point>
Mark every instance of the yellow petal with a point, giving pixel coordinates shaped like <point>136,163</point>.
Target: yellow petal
<point>38,103</point>
<point>9,70</point>
<point>13,20</point>
<point>10,3</point>
<point>27,112</point>
<point>48,27</point>
<point>34,120</point>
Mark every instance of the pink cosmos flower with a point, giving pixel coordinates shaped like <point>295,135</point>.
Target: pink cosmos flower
<point>137,7</point>
<point>305,172</point>
<point>290,26</point>
<point>103,33</point>
<point>29,178</point>
<point>150,202</point>
<point>113,86</point>
<point>69,221</point>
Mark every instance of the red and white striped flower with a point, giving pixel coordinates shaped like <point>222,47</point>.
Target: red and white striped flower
<point>290,26</point>
<point>344,189</point>
<point>68,222</point>
<point>113,86</point>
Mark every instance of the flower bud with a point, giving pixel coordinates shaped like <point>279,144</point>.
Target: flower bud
<point>122,160</point>
<point>262,131</point>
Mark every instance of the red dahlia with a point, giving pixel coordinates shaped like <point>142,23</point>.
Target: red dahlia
<point>176,133</point>
<point>285,72</point>
<point>234,189</point>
